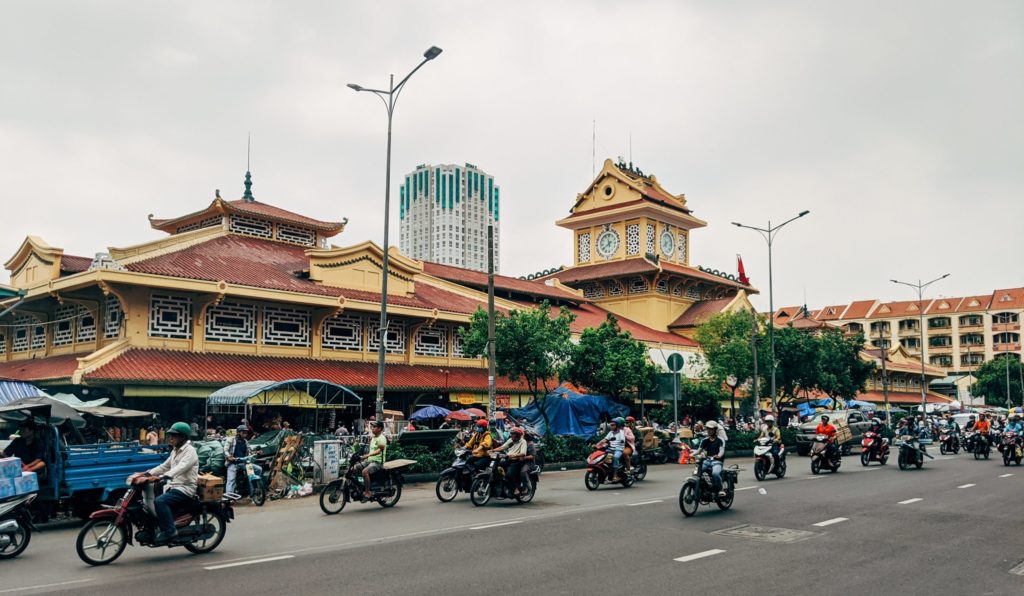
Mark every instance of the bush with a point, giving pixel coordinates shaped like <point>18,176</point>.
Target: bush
<point>427,461</point>
<point>564,449</point>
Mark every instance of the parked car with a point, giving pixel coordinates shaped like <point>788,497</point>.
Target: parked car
<point>853,419</point>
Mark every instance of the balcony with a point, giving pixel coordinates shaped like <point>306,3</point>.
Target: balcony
<point>998,349</point>
<point>909,331</point>
<point>997,327</point>
<point>972,324</point>
<point>940,349</point>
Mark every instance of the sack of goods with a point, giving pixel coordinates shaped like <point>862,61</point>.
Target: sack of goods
<point>211,488</point>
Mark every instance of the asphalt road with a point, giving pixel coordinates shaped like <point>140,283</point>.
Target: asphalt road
<point>952,528</point>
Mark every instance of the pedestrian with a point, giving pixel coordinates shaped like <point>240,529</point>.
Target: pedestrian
<point>152,436</point>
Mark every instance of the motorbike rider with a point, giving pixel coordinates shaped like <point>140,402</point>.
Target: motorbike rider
<point>826,428</point>
<point>235,448</point>
<point>616,441</point>
<point>714,449</point>
<point>180,471</point>
<point>1014,425</point>
<point>627,429</point>
<point>530,460</point>
<point>770,431</point>
<point>515,447</point>
<point>479,443</point>
<point>373,461</point>
<point>983,427</point>
<point>970,423</point>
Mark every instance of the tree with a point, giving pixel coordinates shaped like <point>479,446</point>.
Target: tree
<point>725,340</point>
<point>991,380</point>
<point>796,362</point>
<point>841,372</point>
<point>528,344</point>
<point>608,361</point>
<point>698,399</point>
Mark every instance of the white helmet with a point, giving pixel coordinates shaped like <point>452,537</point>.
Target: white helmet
<point>711,424</point>
<point>769,418</point>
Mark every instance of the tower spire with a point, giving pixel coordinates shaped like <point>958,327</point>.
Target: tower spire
<point>248,175</point>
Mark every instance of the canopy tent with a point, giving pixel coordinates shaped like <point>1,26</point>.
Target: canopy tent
<point>11,390</point>
<point>864,405</point>
<point>44,409</point>
<point>295,393</point>
<point>112,412</point>
<point>76,403</point>
<point>568,412</point>
<point>430,412</point>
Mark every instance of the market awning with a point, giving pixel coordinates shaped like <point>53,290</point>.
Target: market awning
<point>294,392</point>
<point>111,412</point>
<point>11,390</point>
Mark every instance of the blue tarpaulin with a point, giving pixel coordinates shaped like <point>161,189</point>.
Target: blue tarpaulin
<point>11,390</point>
<point>569,412</point>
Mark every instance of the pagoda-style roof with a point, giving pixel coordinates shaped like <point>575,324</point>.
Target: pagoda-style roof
<point>506,285</point>
<point>246,207</point>
<point>640,266</point>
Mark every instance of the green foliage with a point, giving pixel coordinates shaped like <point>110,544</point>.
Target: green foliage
<point>840,371</point>
<point>699,400</point>
<point>427,460</point>
<point>559,449</point>
<point>725,341</point>
<point>608,361</point>
<point>991,381</point>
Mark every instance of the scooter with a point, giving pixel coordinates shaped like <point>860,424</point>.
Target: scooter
<point>982,447</point>
<point>1011,448</point>
<point>912,452</point>
<point>820,459</point>
<point>949,441</point>
<point>699,490</point>
<point>601,470</point>
<point>15,525</point>
<point>201,526</point>
<point>385,485</point>
<point>874,447</point>
<point>491,483</point>
<point>456,478</point>
<point>764,463</point>
<point>249,483</point>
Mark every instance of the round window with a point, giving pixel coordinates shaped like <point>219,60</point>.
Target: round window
<point>608,191</point>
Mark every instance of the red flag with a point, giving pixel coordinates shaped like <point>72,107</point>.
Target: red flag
<point>743,274</point>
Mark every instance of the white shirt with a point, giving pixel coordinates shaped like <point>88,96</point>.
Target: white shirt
<point>616,439</point>
<point>182,469</point>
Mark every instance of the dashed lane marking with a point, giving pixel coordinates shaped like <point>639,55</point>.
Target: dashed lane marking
<point>747,488</point>
<point>1005,475</point>
<point>701,555</point>
<point>644,503</point>
<point>42,586</point>
<point>249,562</point>
<point>966,485</point>
<point>1019,569</point>
<point>829,522</point>
<point>508,523</point>
<point>909,501</point>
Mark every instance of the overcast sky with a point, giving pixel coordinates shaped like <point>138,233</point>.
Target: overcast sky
<point>900,125</point>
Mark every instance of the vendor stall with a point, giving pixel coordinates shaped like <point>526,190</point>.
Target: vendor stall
<point>306,395</point>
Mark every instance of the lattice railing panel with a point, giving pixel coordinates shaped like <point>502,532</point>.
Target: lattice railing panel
<point>284,326</point>
<point>231,322</point>
<point>170,316</point>
<point>343,332</point>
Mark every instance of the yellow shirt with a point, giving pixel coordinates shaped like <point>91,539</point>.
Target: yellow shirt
<point>480,443</point>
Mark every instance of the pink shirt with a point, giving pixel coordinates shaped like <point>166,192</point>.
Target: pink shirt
<point>630,439</point>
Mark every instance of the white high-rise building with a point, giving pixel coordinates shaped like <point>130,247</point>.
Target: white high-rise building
<point>445,210</point>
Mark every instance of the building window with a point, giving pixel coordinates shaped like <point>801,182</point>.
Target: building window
<point>970,320</point>
<point>249,226</point>
<point>344,332</point>
<point>170,316</point>
<point>633,239</point>
<point>3,342</point>
<point>584,247</point>
<point>39,337</point>
<point>880,326</point>
<point>231,322</point>
<point>854,328</point>
<point>944,361</point>
<point>638,285</point>
<point>1006,338</point>
<point>682,247</point>
<point>431,341</point>
<point>457,341</point>
<point>972,339</point>
<point>693,292</point>
<point>614,288</point>
<point>209,222</point>
<point>593,290</point>
<point>662,286</point>
<point>940,341</point>
<point>911,343</point>
<point>296,235</point>
<point>881,343</point>
<point>909,325</point>
<point>64,325</point>
<point>938,323</point>
<point>1004,318</point>
<point>284,326</point>
<point>22,328</point>
<point>112,317</point>
<point>394,342</point>
<point>86,325</point>
<point>972,359</point>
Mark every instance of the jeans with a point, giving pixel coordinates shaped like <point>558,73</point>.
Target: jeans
<point>617,458</point>
<point>233,471</point>
<point>165,505</point>
<point>479,463</point>
<point>716,473</point>
<point>515,467</point>
<point>775,455</point>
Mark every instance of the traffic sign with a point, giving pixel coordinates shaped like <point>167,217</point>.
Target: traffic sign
<point>675,362</point>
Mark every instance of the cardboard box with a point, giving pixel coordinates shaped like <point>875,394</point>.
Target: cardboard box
<point>10,467</point>
<point>6,488</point>
<point>27,483</point>
<point>210,487</point>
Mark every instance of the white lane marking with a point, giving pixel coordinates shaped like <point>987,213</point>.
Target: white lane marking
<point>508,523</point>
<point>747,488</point>
<point>829,522</point>
<point>814,478</point>
<point>249,562</point>
<point>644,503</point>
<point>41,586</point>
<point>966,485</point>
<point>1005,475</point>
<point>1019,569</point>
<point>869,469</point>
<point>695,556</point>
<point>909,501</point>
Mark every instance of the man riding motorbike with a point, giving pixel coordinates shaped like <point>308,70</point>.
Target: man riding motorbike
<point>479,444</point>
<point>770,431</point>
<point>1014,425</point>
<point>616,441</point>
<point>826,428</point>
<point>373,461</point>
<point>983,427</point>
<point>714,449</point>
<point>180,471</point>
<point>515,447</point>
<point>237,447</point>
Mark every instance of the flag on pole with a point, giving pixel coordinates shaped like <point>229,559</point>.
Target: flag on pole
<point>743,273</point>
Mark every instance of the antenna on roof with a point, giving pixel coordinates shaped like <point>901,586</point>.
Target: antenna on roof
<point>631,149</point>
<point>593,150</point>
<point>248,175</point>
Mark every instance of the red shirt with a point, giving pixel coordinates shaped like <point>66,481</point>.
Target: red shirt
<point>826,429</point>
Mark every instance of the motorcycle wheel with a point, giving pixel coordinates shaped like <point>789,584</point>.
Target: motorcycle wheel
<point>592,480</point>
<point>688,502</point>
<point>447,487</point>
<point>333,498</point>
<point>88,543</point>
<point>942,449</point>
<point>726,501</point>
<point>865,459</point>
<point>902,461</point>
<point>480,491</point>
<point>220,527</point>
<point>759,470</point>
<point>627,479</point>
<point>259,494</point>
<point>815,466</point>
<point>977,455</point>
<point>1006,459</point>
<point>919,461</point>
<point>392,500</point>
<point>641,470</point>
<point>18,544</point>
<point>781,471</point>
<point>884,458</point>
<point>986,453</point>
<point>526,497</point>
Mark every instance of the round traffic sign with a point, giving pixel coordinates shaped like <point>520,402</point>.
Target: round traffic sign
<point>675,362</point>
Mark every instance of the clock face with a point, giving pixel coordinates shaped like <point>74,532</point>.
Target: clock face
<point>668,243</point>
<point>607,243</point>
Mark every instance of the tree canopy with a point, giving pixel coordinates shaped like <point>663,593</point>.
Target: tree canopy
<point>991,381</point>
<point>608,361</point>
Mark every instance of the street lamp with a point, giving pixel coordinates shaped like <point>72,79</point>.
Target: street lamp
<point>769,236</point>
<point>921,287</point>
<point>389,97</point>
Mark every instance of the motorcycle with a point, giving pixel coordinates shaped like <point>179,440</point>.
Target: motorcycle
<point>982,447</point>
<point>912,452</point>
<point>491,483</point>
<point>949,441</point>
<point>699,490</point>
<point>15,525</point>
<point>1011,448</point>
<point>874,447</point>
<point>249,483</point>
<point>764,463</point>
<point>201,525</point>
<point>385,485</point>
<point>601,471</point>
<point>820,459</point>
<point>456,478</point>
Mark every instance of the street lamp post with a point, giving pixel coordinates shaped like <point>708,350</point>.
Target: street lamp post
<point>920,288</point>
<point>769,236</point>
<point>390,98</point>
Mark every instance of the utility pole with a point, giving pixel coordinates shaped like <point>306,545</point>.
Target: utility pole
<point>753,349</point>
<point>885,379</point>
<point>491,398</point>
<point>920,288</point>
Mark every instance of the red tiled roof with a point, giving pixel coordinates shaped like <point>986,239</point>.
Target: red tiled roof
<point>40,369</point>
<point>983,303</point>
<point>830,313</point>
<point>1007,299</point>
<point>272,265</point>
<point>858,310</point>
<point>809,323</point>
<point>899,309</point>
<point>73,264</point>
<point>935,308</point>
<point>786,313</point>
<point>589,316</point>
<point>638,266</point>
<point>478,279</point>
<point>254,208</point>
<point>700,312</point>
<point>192,368</point>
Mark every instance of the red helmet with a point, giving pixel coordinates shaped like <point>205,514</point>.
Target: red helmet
<point>481,423</point>
<point>630,419</point>
<point>515,430</point>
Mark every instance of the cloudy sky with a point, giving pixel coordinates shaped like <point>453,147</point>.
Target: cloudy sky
<point>900,125</point>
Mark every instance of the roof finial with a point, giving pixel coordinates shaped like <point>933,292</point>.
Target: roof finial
<point>248,175</point>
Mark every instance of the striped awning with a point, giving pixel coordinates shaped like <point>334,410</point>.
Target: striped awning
<point>15,390</point>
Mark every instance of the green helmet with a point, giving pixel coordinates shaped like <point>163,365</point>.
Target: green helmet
<point>181,428</point>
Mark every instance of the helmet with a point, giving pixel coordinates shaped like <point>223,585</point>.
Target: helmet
<point>619,420</point>
<point>630,419</point>
<point>825,419</point>
<point>711,424</point>
<point>481,423</point>
<point>972,416</point>
<point>377,424</point>
<point>769,418</point>
<point>242,428</point>
<point>515,430</point>
<point>180,428</point>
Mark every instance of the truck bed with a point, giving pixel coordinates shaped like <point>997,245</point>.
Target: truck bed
<point>105,466</point>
